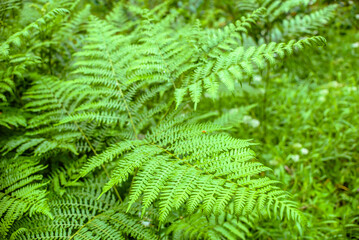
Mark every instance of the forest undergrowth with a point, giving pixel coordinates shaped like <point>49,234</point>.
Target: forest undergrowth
<point>179,119</point>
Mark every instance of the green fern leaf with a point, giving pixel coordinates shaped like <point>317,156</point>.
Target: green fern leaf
<point>21,191</point>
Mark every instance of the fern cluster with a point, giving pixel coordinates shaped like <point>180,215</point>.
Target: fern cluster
<point>107,101</point>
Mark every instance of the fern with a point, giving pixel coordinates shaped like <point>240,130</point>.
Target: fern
<point>22,191</point>
<point>112,99</point>
<point>306,24</point>
<point>223,226</point>
<point>15,64</point>
<point>178,164</point>
<point>9,5</point>
<point>11,117</point>
<point>17,39</point>
<point>107,98</point>
<point>78,215</point>
<point>46,94</point>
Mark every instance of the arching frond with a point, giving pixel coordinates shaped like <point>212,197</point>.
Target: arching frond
<point>304,24</point>
<point>185,165</point>
<point>73,25</point>
<point>231,67</point>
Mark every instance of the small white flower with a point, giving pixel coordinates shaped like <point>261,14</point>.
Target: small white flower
<point>335,84</point>
<point>257,78</point>
<point>295,157</point>
<point>322,99</point>
<point>247,119</point>
<point>251,121</point>
<point>233,110</point>
<point>352,89</point>
<point>255,123</point>
<point>355,45</point>
<point>350,2</point>
<point>324,92</point>
<point>297,145</point>
<point>357,16</point>
<point>273,162</point>
<point>304,151</point>
<point>146,223</point>
<point>207,95</point>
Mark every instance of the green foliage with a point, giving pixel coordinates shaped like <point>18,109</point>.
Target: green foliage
<point>225,225</point>
<point>79,215</point>
<point>139,110</point>
<point>187,166</point>
<point>22,191</point>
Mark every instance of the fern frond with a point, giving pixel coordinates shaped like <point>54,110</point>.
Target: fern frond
<point>108,155</point>
<point>79,215</point>
<point>224,226</point>
<point>112,97</point>
<point>307,24</point>
<point>43,134</point>
<point>277,8</point>
<point>248,5</point>
<point>230,68</point>
<point>180,165</point>
<point>103,65</point>
<point>213,44</point>
<point>11,117</point>
<point>7,5</point>
<point>22,191</point>
<point>121,18</point>
<point>73,25</point>
<point>15,63</point>
<point>18,38</point>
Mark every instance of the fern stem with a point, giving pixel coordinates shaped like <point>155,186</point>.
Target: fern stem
<point>200,169</point>
<point>85,225</point>
<point>164,115</point>
<point>122,95</point>
<point>129,113</point>
<point>264,104</point>
<point>95,153</point>
<point>97,216</point>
